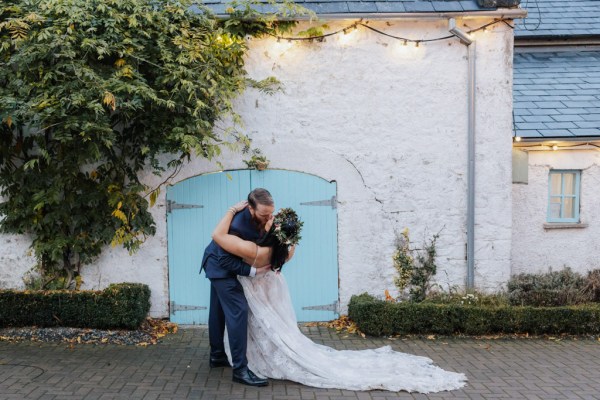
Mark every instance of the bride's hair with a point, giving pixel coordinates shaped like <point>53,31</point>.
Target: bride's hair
<point>280,250</point>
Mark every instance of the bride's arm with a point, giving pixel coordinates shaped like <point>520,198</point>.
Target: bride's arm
<point>231,243</point>
<point>247,250</point>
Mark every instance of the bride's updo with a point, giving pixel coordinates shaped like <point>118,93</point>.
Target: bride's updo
<point>284,233</point>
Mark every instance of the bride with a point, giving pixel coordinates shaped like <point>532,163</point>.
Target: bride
<point>277,348</point>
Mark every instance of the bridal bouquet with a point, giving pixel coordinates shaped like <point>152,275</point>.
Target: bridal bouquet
<point>287,227</point>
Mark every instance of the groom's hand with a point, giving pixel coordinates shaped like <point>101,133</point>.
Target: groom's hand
<point>263,270</point>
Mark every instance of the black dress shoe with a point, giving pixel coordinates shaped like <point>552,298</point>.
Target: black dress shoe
<point>219,362</point>
<point>247,377</point>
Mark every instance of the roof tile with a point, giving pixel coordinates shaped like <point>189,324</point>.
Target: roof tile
<point>559,18</point>
<point>362,6</point>
<point>418,6</point>
<point>568,108</point>
<point>368,6</point>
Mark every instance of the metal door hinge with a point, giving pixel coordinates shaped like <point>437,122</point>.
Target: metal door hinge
<point>173,205</point>
<point>327,307</point>
<point>178,307</point>
<point>327,203</point>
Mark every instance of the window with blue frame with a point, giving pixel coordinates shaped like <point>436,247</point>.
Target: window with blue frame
<point>563,196</point>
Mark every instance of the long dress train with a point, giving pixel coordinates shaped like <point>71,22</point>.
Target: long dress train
<point>278,349</point>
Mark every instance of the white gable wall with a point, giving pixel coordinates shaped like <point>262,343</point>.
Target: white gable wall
<point>535,249</point>
<point>389,124</point>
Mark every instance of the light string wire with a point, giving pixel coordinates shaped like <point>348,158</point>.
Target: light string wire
<point>355,25</point>
<point>543,146</point>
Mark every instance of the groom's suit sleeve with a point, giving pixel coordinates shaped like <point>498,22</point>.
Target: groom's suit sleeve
<point>220,264</point>
<point>233,263</point>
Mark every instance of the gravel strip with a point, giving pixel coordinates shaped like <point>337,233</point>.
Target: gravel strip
<point>149,334</point>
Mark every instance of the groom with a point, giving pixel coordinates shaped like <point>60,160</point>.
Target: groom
<point>228,305</point>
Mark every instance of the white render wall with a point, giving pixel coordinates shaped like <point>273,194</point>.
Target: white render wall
<point>536,249</point>
<point>15,260</point>
<point>389,124</point>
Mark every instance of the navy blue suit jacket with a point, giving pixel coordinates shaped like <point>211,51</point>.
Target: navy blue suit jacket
<point>220,264</point>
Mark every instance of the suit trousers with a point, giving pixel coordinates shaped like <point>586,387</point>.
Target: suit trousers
<point>228,307</point>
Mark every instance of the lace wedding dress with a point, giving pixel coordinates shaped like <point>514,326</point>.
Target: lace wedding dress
<point>277,349</point>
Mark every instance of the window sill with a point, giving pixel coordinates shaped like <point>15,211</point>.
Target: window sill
<point>565,225</point>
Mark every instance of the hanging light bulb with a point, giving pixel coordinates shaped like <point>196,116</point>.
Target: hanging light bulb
<point>348,36</point>
<point>554,147</point>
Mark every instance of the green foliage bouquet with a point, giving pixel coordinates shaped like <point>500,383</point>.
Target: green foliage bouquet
<point>287,227</point>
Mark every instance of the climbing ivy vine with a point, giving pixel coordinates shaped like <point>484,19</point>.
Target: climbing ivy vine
<point>92,93</point>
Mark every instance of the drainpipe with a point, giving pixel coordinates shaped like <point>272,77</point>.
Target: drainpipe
<point>470,44</point>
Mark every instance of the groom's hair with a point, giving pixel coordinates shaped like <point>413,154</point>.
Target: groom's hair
<point>260,196</point>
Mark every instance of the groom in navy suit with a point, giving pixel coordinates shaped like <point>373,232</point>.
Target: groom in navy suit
<point>228,305</point>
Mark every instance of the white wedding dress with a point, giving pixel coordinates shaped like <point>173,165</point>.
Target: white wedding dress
<point>277,349</point>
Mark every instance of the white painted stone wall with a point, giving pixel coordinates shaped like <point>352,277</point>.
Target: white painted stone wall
<point>389,124</point>
<point>536,249</point>
<point>15,260</point>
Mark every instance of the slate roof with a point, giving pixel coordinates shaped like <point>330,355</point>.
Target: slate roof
<point>557,94</point>
<point>547,18</point>
<point>369,7</point>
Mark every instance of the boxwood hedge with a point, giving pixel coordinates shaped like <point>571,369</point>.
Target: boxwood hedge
<point>381,318</point>
<point>123,305</point>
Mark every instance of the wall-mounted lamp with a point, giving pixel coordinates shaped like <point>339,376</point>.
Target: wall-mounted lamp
<point>463,36</point>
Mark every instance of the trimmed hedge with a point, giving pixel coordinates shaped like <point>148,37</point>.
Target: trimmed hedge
<point>380,318</point>
<point>123,305</point>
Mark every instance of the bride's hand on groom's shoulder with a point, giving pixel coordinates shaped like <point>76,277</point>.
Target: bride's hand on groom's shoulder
<point>240,206</point>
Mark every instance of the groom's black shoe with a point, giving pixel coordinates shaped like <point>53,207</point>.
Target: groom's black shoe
<point>247,377</point>
<point>218,362</point>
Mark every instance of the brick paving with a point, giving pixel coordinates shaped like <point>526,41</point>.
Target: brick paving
<point>177,369</point>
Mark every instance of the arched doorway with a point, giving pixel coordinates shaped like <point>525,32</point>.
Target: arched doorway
<point>195,205</point>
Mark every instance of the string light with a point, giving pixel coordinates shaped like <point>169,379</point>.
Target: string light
<point>555,147</point>
<point>354,26</point>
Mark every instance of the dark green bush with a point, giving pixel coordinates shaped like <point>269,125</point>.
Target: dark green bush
<point>123,305</point>
<point>554,288</point>
<point>380,318</point>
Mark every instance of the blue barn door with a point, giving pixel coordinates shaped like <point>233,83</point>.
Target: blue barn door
<point>194,207</point>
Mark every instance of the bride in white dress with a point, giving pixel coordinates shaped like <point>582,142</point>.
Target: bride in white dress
<point>277,348</point>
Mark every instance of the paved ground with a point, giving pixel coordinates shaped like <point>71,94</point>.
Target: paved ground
<point>178,369</point>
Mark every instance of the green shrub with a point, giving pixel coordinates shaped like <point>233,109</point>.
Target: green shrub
<point>415,267</point>
<point>380,318</point>
<point>554,288</point>
<point>591,287</point>
<point>123,305</point>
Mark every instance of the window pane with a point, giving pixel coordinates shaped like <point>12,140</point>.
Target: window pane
<point>555,207</point>
<point>569,179</point>
<point>555,184</point>
<point>569,210</point>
